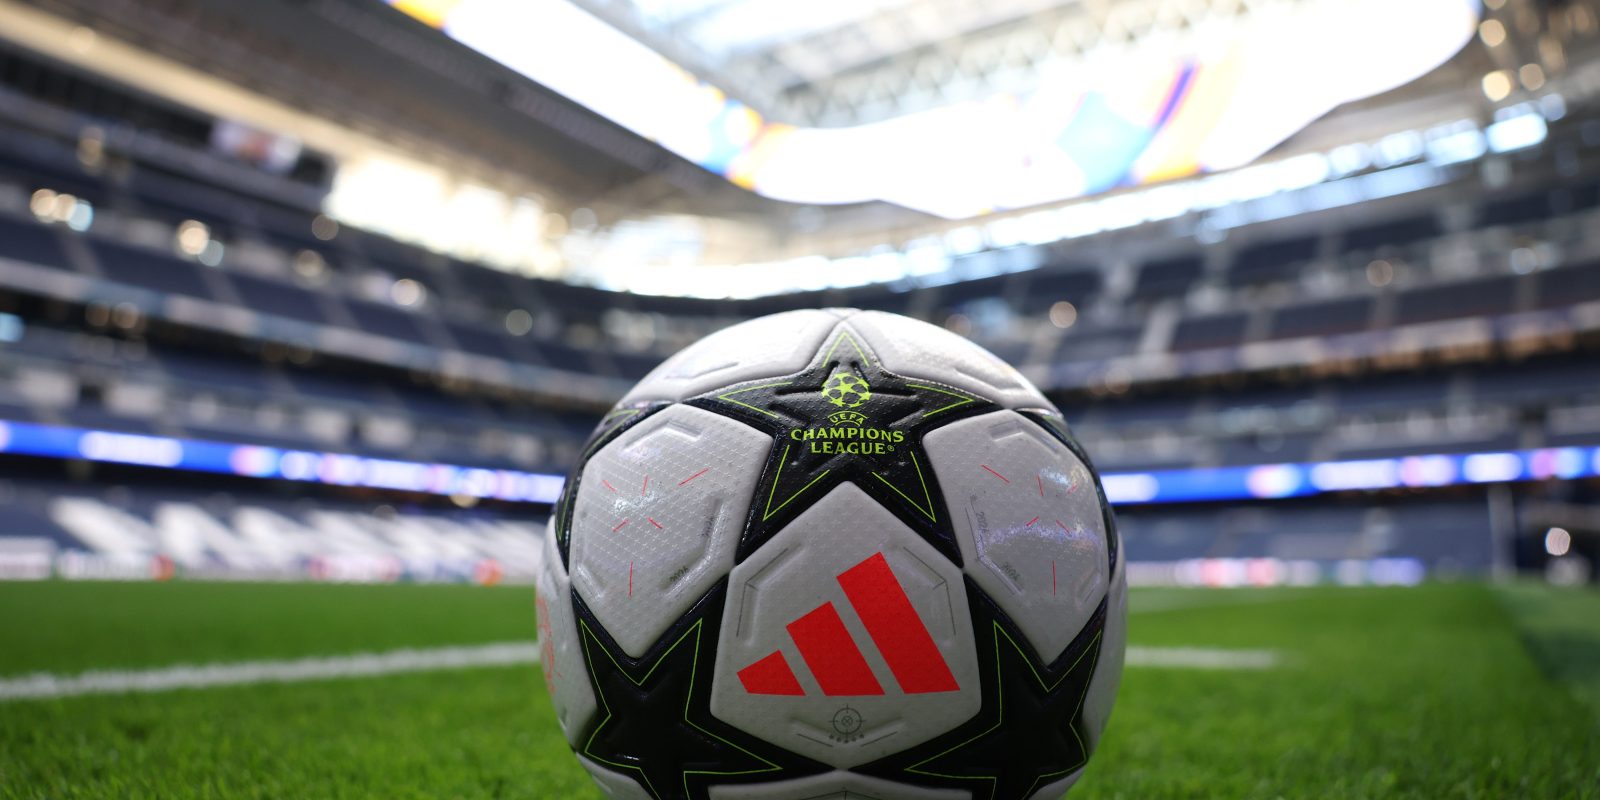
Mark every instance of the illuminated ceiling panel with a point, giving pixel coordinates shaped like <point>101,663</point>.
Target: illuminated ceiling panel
<point>1161,105</point>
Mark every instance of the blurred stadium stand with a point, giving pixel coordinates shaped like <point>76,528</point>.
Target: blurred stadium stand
<point>152,284</point>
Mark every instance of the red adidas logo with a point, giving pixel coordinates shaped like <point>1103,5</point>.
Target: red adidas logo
<point>835,660</point>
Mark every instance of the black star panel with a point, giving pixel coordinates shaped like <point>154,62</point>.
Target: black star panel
<point>612,426</point>
<point>847,419</point>
<point>654,720</point>
<point>1030,732</point>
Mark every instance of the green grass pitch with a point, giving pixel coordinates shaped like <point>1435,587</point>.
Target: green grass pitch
<point>1439,691</point>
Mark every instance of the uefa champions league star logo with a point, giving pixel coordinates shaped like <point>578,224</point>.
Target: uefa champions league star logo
<point>846,391</point>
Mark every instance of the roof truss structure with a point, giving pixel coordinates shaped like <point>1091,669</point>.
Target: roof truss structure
<point>849,62</point>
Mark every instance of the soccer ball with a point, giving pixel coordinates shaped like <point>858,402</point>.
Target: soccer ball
<point>833,553</point>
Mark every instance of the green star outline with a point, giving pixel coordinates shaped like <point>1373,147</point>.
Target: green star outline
<point>619,413</point>
<point>1000,697</point>
<point>1055,423</point>
<point>965,399</point>
<point>589,638</point>
<point>844,334</point>
<point>927,496</point>
<point>766,515</point>
<point>728,396</point>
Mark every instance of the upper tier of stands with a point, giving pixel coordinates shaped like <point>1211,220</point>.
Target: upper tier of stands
<point>1416,260</point>
<point>356,341</point>
<point>1338,282</point>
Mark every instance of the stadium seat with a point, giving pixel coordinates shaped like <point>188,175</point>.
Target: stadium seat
<point>634,365</point>
<point>1201,333</point>
<point>1517,209</point>
<point>31,243</point>
<point>1166,277</point>
<point>1089,343</point>
<point>385,321</point>
<point>1272,261</point>
<point>562,356</point>
<point>1326,318</point>
<point>1466,299</point>
<point>1421,391</point>
<point>278,298</point>
<point>1048,285</point>
<point>217,373</point>
<point>344,391</point>
<point>177,199</point>
<point>149,269</point>
<point>485,342</point>
<point>1569,285</point>
<point>1393,233</point>
<point>1266,449</point>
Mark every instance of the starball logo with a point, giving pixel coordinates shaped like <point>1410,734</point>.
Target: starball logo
<point>846,390</point>
<point>847,431</point>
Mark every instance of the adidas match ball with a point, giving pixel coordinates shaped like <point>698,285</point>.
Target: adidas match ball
<point>833,553</point>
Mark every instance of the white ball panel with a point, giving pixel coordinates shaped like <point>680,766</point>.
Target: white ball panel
<point>565,675</point>
<point>916,349</point>
<point>1108,674</point>
<point>1053,790</point>
<point>659,512</point>
<point>780,344</point>
<point>1028,521</point>
<point>796,573</point>
<point>614,785</point>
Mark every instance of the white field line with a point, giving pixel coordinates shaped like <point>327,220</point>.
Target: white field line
<point>1200,658</point>
<point>43,685</point>
<point>200,676</point>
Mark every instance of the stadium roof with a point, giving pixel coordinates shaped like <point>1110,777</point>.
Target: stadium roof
<point>815,68</point>
<point>641,188</point>
<point>958,108</point>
